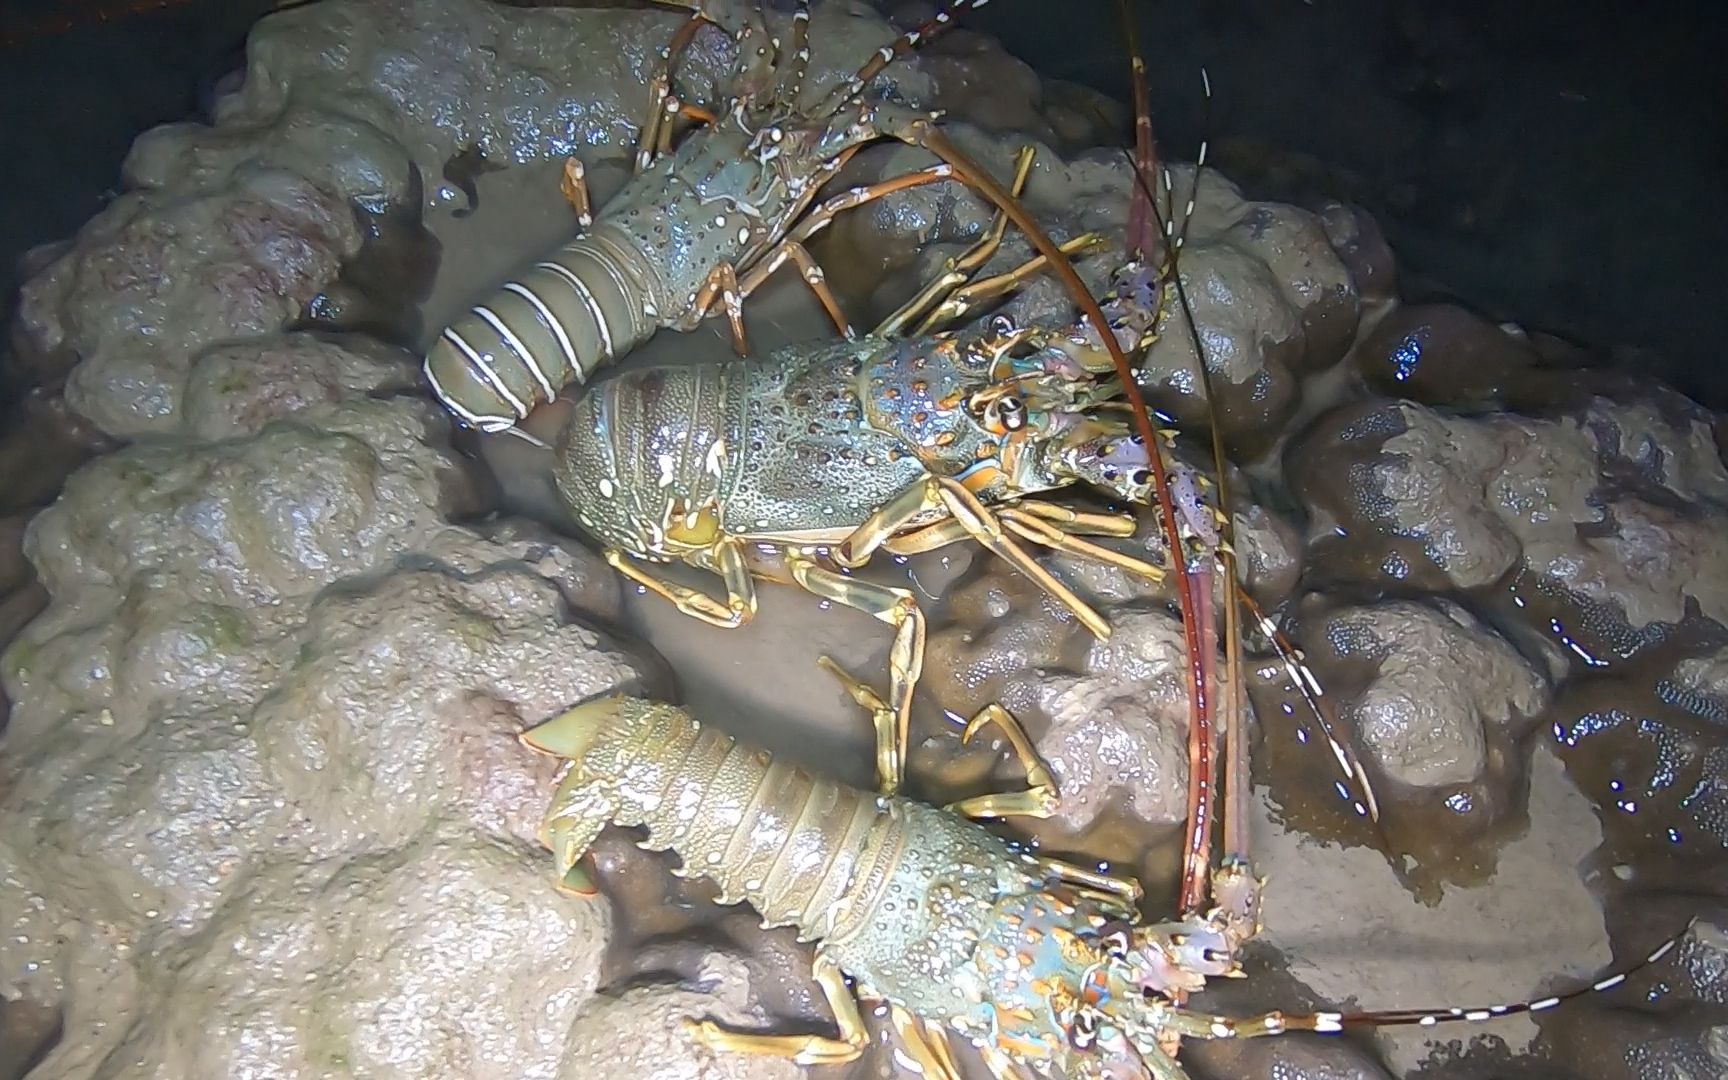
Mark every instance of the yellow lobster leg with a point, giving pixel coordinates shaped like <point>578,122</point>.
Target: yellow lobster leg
<point>1039,798</point>
<point>1073,522</point>
<point>819,218</point>
<point>962,301</point>
<point>725,558</point>
<point>899,609</point>
<point>978,523</point>
<point>957,269</point>
<point>925,1044</point>
<point>802,1049</point>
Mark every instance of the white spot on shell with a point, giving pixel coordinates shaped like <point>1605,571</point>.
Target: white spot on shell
<point>607,487</point>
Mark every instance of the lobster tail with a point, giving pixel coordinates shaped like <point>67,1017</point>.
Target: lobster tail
<point>552,326</point>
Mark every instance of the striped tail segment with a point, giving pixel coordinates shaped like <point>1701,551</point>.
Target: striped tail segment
<point>581,308</point>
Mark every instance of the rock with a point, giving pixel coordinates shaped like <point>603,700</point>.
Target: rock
<point>1617,532</point>
<point>639,1032</point>
<point>1441,354</point>
<point>135,301</point>
<point>339,153</point>
<point>239,388</point>
<point>1361,245</point>
<point>1443,684</point>
<point>407,697</point>
<point>1109,718</point>
<point>1437,707</point>
<point>448,955</point>
<point>1381,472</point>
<point>1119,729</point>
<point>444,76</point>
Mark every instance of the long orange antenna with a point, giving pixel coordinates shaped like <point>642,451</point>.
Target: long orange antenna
<point>1142,240</point>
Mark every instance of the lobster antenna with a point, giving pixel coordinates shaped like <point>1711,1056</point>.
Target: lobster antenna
<point>1197,841</point>
<point>1301,675</point>
<point>852,88</point>
<point>1272,1023</point>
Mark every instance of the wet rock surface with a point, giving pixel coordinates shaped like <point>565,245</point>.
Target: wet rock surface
<point>1438,706</point>
<point>264,809</point>
<point>1613,513</point>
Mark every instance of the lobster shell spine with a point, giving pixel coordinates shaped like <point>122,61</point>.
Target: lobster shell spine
<point>555,324</point>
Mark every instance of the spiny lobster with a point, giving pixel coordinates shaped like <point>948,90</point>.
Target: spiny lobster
<point>704,222</point>
<point>1035,962</point>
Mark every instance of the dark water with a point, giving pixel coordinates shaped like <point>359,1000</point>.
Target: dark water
<point>1550,163</point>
<point>1547,162</point>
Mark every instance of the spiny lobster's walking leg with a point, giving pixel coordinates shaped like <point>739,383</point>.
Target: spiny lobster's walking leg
<point>801,1049</point>
<point>959,269</point>
<point>899,609</point>
<point>980,524</point>
<point>963,301</point>
<point>725,558</point>
<point>723,283</point>
<point>1037,800</point>
<point>819,218</point>
<point>656,131</point>
<point>574,185</point>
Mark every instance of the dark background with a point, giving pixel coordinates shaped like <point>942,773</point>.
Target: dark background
<point>1560,165</point>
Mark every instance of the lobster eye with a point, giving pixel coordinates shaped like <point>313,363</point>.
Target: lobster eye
<point>1083,1032</point>
<point>1013,413</point>
<point>1115,938</point>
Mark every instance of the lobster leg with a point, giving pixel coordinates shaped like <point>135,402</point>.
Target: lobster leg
<point>987,530</point>
<point>723,282</point>
<point>728,560</point>
<point>802,1049</point>
<point>898,609</point>
<point>1038,800</point>
<point>820,218</point>
<point>660,89</point>
<point>943,493</point>
<point>958,269</point>
<point>888,751</point>
<point>1058,539</point>
<point>964,300</point>
<point>943,533</point>
<point>920,1041</point>
<point>1080,521</point>
<point>1116,890</point>
<point>574,185</point>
